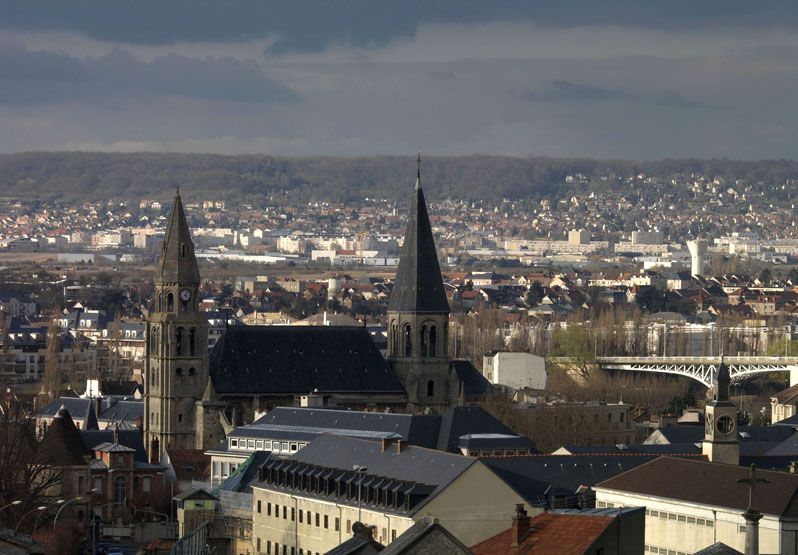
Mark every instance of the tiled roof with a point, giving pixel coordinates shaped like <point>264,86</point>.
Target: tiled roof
<point>695,481</point>
<point>564,534</point>
<point>787,395</point>
<point>189,464</point>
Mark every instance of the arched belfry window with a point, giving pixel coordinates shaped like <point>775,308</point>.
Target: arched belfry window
<point>431,388</point>
<point>422,341</point>
<point>179,340</point>
<point>408,341</point>
<point>394,339</point>
<point>192,340</point>
<point>183,250</point>
<point>170,302</point>
<point>433,341</point>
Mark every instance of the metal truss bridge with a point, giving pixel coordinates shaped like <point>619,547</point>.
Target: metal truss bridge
<point>703,369</point>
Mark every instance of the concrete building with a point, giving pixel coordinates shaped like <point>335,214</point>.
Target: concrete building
<point>309,502</point>
<point>646,237</point>
<point>516,370</point>
<point>697,250</point>
<point>578,237</point>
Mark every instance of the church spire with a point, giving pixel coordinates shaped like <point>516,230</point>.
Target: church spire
<point>177,263</point>
<point>419,285</point>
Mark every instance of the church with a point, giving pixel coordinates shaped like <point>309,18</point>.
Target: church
<point>192,397</point>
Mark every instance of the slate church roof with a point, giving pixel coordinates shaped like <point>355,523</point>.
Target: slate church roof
<point>177,263</point>
<point>419,285</point>
<point>296,360</point>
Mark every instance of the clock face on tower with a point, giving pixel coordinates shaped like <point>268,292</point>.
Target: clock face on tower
<point>185,295</point>
<point>725,424</point>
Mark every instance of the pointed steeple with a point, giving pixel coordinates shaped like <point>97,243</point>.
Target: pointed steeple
<point>177,263</point>
<point>419,285</point>
<point>722,382</point>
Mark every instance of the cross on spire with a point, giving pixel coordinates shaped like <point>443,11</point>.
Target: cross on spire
<point>752,481</point>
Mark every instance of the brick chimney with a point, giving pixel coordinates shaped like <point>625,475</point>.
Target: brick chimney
<point>400,444</point>
<point>384,443</point>
<point>521,525</point>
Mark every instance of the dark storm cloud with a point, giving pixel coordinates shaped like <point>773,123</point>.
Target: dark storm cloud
<point>561,90</point>
<point>31,77</point>
<point>311,25</point>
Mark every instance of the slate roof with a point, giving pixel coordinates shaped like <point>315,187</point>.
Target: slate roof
<point>411,464</point>
<point>718,548</point>
<point>745,434</point>
<point>474,383</point>
<point>534,476</point>
<point>412,540</point>
<point>419,285</point>
<point>62,444</point>
<point>434,431</point>
<point>639,449</point>
<point>791,421</point>
<point>172,267</point>
<point>295,360</point>
<point>551,532</point>
<point>357,545</point>
<point>495,441</point>
<point>701,482</point>
<point>83,409</point>
<point>128,438</point>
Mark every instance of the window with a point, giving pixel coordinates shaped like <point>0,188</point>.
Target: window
<point>233,442</point>
<point>408,341</point>
<point>293,447</point>
<point>179,340</point>
<point>268,547</point>
<point>309,520</point>
<point>267,445</point>
<point>80,484</point>
<point>300,516</point>
<point>622,415</point>
<point>191,371</point>
<point>276,510</point>
<point>431,388</point>
<point>259,510</point>
<point>268,509</point>
<point>179,417</point>
<point>285,512</point>
<point>257,544</point>
<point>120,490</point>
<point>251,444</point>
<point>337,524</point>
<point>179,371</point>
<point>326,522</point>
<point>609,417</point>
<point>393,535</point>
<point>433,342</point>
<point>317,519</point>
<point>259,444</point>
<point>192,339</point>
<point>293,514</point>
<point>146,484</point>
<point>348,526</point>
<point>170,302</point>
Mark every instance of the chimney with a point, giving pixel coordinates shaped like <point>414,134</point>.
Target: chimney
<point>384,443</point>
<point>400,444</point>
<point>521,525</point>
<point>98,405</point>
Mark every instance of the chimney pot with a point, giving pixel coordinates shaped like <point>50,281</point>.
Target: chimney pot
<point>521,525</point>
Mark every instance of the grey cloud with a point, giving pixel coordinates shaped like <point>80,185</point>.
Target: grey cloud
<point>561,90</point>
<point>36,77</point>
<point>311,26</point>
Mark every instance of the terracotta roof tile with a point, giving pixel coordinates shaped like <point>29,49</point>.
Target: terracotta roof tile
<point>564,534</point>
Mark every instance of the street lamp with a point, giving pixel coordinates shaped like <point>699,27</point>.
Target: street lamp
<point>63,504</point>
<point>359,470</point>
<point>17,502</point>
<point>39,508</point>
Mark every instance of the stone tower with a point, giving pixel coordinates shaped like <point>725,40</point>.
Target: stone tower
<point>720,432</point>
<point>418,316</point>
<point>176,352</point>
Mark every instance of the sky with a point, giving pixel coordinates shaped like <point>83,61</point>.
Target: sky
<point>633,79</point>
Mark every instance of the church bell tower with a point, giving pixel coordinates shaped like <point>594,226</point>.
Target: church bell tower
<point>720,431</point>
<point>418,316</point>
<point>176,353</point>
